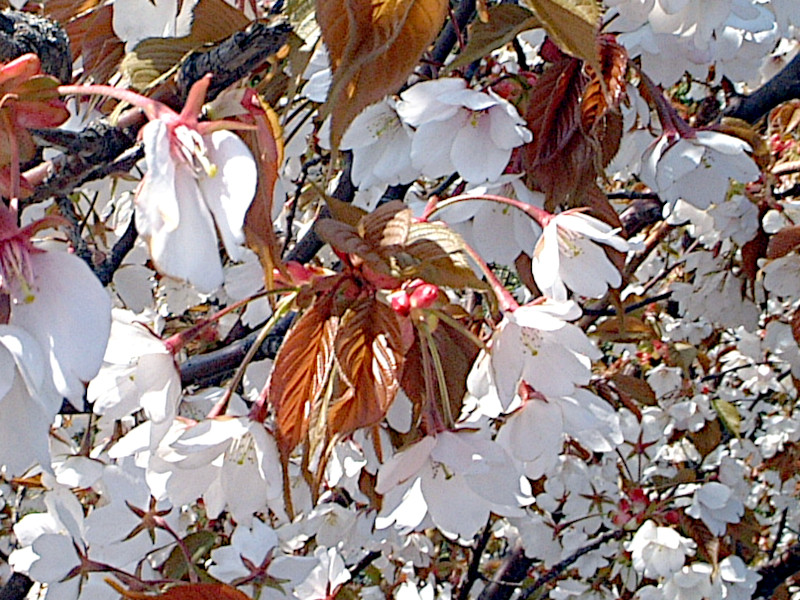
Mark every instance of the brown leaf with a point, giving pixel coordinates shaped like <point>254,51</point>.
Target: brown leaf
<point>636,388</point>
<point>505,22</point>
<point>786,463</point>
<point>605,91</point>
<point>370,354</point>
<point>345,238</point>
<point>214,20</point>
<point>92,37</point>
<point>387,225</point>
<point>708,438</point>
<point>373,47</point>
<point>258,228</point>
<point>300,373</point>
<point>625,329</point>
<point>784,241</point>
<point>564,160</point>
<point>752,251</point>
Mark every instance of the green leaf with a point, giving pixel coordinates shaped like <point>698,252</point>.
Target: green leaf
<point>573,25</point>
<point>729,415</point>
<point>199,545</point>
<point>506,21</point>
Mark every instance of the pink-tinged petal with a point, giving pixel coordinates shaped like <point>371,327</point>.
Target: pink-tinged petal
<point>508,361</point>
<point>507,131</point>
<point>403,506</point>
<point>546,262</point>
<point>469,98</point>
<point>534,434</point>
<point>70,316</point>
<point>189,250</point>
<point>159,385</point>
<point>229,193</point>
<point>156,201</point>
<point>420,103</point>
<point>8,371</point>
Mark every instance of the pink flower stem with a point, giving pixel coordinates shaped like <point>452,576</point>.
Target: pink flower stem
<point>542,217</point>
<point>504,297</point>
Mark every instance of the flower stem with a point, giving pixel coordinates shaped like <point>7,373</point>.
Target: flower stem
<point>542,217</point>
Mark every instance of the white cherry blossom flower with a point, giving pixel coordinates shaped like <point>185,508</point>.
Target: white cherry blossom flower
<point>217,459</point>
<point>697,169</point>
<point>195,185</point>
<point>534,434</point>
<point>738,580</point>
<point>567,255</point>
<point>456,478</point>
<point>716,506</point>
<point>54,325</point>
<point>381,145</point>
<point>200,180</point>
<point>253,555</point>
<point>497,232</point>
<point>326,578</point>
<point>533,344</point>
<point>460,129</point>
<point>659,551</point>
<point>139,372</point>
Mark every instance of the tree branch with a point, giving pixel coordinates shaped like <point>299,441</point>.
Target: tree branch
<point>784,86</point>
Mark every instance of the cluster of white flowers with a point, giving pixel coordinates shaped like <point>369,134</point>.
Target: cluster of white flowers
<point>601,440</point>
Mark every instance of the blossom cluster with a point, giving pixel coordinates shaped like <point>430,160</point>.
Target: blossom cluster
<point>532,378</point>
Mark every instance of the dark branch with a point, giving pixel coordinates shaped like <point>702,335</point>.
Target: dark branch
<point>21,33</point>
<point>784,86</point>
<point>214,367</point>
<point>776,572</point>
<point>16,588</point>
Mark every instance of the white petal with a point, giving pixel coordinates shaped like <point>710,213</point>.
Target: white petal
<point>230,192</point>
<point>189,250</point>
<point>70,317</point>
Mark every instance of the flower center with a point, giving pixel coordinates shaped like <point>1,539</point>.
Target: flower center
<point>16,272</point>
<point>193,151</point>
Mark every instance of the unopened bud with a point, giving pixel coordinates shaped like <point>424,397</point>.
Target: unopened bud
<point>424,295</point>
<point>400,303</point>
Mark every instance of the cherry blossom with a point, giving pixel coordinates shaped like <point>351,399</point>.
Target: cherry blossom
<point>698,169</point>
<point>381,145</point>
<point>460,129</point>
<point>139,372</point>
<point>200,180</point>
<point>254,559</point>
<point>454,477</point>
<point>716,506</point>
<point>567,256</point>
<point>533,344</point>
<point>534,433</point>
<point>659,551</point>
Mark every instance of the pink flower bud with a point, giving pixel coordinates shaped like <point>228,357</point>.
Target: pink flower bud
<point>424,295</point>
<point>400,303</point>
